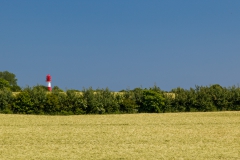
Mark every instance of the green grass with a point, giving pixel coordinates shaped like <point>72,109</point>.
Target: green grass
<point>212,135</point>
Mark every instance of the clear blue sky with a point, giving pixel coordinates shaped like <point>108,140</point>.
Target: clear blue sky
<point>121,44</point>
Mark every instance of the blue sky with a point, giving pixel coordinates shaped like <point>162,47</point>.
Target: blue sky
<point>121,44</point>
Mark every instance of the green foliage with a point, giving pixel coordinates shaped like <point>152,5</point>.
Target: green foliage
<point>32,101</point>
<point>40,88</point>
<point>93,104</point>
<point>152,102</point>
<point>180,100</point>
<point>23,103</point>
<point>138,96</point>
<point>101,101</point>
<point>156,89</point>
<point>108,101</point>
<point>128,106</point>
<point>234,99</point>
<point>16,88</point>
<point>75,103</point>
<point>185,100</point>
<point>38,100</point>
<point>204,100</point>
<point>39,97</point>
<point>57,89</point>
<point>75,90</point>
<point>219,97</point>
<point>169,104</point>
<point>6,100</point>
<point>52,105</point>
<point>4,84</point>
<point>10,77</point>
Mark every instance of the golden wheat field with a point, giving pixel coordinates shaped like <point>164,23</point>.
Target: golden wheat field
<point>212,135</point>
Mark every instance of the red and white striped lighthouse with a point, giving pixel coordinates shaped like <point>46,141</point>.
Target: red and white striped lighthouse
<point>48,80</point>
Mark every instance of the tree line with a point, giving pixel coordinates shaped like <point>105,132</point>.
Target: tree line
<point>37,100</point>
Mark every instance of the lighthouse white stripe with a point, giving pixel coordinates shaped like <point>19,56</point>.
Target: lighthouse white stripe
<point>49,84</point>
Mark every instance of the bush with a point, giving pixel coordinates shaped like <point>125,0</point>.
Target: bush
<point>38,95</point>
<point>75,102</point>
<point>93,106</point>
<point>6,100</point>
<point>52,105</point>
<point>128,106</point>
<point>4,84</point>
<point>37,100</point>
<point>23,103</point>
<point>153,102</point>
<point>108,100</point>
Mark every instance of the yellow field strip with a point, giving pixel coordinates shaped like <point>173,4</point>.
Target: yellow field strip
<point>209,135</point>
<point>172,95</point>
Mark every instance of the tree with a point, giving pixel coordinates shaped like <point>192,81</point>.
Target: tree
<point>4,83</point>
<point>40,87</point>
<point>57,89</point>
<point>11,78</point>
<point>180,101</point>
<point>6,100</point>
<point>219,96</point>
<point>152,102</point>
<point>16,88</point>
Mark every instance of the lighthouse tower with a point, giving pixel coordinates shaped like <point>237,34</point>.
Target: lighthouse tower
<point>48,80</point>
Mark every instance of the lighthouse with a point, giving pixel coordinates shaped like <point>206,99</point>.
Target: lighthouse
<point>48,80</point>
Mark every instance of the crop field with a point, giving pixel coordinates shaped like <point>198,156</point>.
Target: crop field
<point>211,135</point>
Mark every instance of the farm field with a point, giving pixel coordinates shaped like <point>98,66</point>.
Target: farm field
<point>209,135</point>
